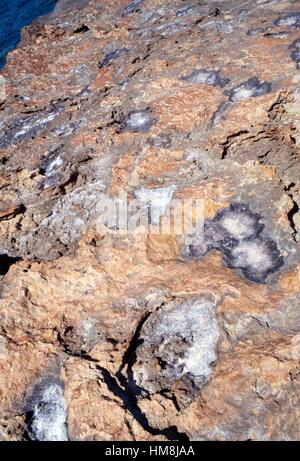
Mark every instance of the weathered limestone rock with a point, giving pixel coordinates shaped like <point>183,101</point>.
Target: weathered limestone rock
<point>122,336</point>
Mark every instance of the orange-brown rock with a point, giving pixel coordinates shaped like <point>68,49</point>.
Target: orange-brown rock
<point>110,335</point>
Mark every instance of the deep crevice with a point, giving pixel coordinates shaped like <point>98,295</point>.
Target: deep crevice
<point>128,391</point>
<point>6,262</point>
<point>228,142</point>
<point>129,359</point>
<point>81,30</point>
<point>129,356</point>
<point>291,214</point>
<point>130,402</point>
<point>20,209</point>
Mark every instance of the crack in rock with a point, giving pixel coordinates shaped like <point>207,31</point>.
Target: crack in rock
<point>130,402</point>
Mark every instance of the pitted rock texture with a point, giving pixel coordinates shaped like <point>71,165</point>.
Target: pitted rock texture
<point>111,336</point>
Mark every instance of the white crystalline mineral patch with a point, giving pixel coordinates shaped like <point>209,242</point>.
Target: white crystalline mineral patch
<point>291,20</point>
<point>182,336</point>
<point>138,121</point>
<point>202,77</point>
<point>49,415</point>
<point>206,76</point>
<point>236,231</point>
<point>243,93</point>
<point>158,199</point>
<point>202,352</point>
<point>72,215</point>
<point>248,89</point>
<point>56,162</point>
<point>238,225</point>
<point>87,329</point>
<point>253,254</point>
<point>33,123</point>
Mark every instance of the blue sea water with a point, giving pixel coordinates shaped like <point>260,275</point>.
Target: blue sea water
<point>14,15</point>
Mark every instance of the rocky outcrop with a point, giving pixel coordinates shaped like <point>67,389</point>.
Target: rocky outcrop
<point>107,335</point>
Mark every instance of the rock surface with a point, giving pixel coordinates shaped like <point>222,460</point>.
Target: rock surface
<point>105,336</point>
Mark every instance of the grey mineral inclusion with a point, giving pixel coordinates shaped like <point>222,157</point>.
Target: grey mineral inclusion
<point>292,20</point>
<point>239,222</point>
<point>256,258</point>
<point>186,10</point>
<point>249,89</point>
<point>255,31</point>
<point>163,140</point>
<point>230,226</point>
<point>49,412</point>
<point>66,130</point>
<point>52,168</point>
<point>296,44</point>
<point>132,6</point>
<point>112,56</point>
<point>295,55</point>
<point>52,163</point>
<point>219,115</point>
<point>206,76</point>
<point>149,17</point>
<point>26,128</point>
<point>236,232</point>
<point>168,30</point>
<point>139,120</point>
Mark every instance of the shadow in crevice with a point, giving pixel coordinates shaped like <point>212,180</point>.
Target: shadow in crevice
<point>5,263</point>
<point>129,359</point>
<point>130,402</point>
<point>291,214</point>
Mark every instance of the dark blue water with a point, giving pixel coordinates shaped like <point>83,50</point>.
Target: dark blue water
<point>15,14</point>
